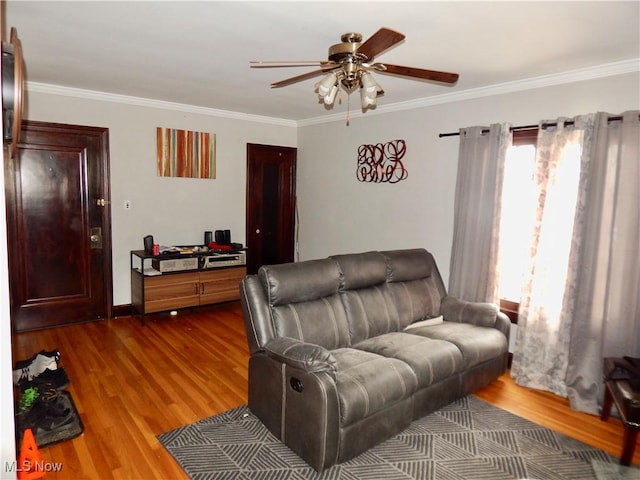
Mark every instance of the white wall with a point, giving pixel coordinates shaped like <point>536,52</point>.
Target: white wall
<point>176,211</point>
<point>339,214</point>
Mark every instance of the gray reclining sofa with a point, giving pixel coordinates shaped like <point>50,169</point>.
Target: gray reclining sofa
<point>339,362</point>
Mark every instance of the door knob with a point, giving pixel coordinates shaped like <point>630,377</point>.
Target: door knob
<point>257,231</point>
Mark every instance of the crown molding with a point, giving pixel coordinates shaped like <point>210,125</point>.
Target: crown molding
<point>148,102</point>
<point>571,76</point>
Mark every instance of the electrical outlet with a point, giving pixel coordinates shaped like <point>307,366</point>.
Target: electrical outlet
<point>127,204</point>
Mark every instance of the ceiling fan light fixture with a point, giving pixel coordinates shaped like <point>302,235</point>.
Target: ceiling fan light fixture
<point>330,97</point>
<point>368,91</point>
<point>324,86</point>
<point>367,100</point>
<point>369,84</point>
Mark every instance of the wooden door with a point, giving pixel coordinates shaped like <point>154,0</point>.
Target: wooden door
<point>271,198</point>
<point>58,224</point>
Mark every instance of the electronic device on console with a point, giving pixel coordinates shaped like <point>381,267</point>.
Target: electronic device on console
<point>220,260</point>
<point>164,265</point>
<point>221,253</point>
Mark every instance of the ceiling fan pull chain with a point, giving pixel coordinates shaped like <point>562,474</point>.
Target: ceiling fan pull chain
<point>348,107</point>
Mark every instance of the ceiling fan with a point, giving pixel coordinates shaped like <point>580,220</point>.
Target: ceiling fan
<point>349,65</point>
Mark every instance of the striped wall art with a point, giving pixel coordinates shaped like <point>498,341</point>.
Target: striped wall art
<point>183,153</point>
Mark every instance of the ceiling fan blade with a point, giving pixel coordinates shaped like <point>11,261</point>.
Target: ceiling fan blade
<point>444,77</point>
<point>286,63</point>
<point>299,78</point>
<point>379,42</point>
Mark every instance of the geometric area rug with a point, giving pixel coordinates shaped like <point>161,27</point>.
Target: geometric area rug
<point>468,439</point>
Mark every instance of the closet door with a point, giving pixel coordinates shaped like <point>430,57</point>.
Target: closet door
<point>271,200</point>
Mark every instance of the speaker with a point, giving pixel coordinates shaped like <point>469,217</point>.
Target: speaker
<point>208,237</point>
<point>148,244</point>
<point>223,237</point>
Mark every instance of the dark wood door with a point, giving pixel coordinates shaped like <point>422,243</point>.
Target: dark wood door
<point>271,202</point>
<point>58,225</point>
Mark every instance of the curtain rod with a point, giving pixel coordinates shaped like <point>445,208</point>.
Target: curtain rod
<point>529,127</point>
<point>512,129</point>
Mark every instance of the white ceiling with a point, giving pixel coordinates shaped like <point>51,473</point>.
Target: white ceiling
<point>198,53</point>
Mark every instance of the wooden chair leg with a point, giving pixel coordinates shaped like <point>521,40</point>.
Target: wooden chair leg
<point>606,404</point>
<point>628,445</point>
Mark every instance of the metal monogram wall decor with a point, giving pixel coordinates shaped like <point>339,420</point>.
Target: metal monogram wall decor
<point>382,162</point>
<point>183,153</point>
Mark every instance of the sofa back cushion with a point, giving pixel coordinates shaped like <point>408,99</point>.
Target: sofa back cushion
<point>304,302</point>
<point>415,284</point>
<point>365,295</point>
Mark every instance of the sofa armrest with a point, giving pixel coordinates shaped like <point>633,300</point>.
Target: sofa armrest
<point>308,357</point>
<point>476,313</point>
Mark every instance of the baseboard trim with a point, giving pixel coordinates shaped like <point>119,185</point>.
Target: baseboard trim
<point>121,311</point>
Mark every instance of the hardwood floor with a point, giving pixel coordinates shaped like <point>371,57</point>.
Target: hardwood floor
<point>131,383</point>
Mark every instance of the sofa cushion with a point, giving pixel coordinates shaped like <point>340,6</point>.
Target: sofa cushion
<point>370,312</point>
<point>322,322</point>
<point>415,300</point>
<point>361,270</point>
<point>304,303</point>
<point>431,360</point>
<point>368,383</point>
<point>410,264</point>
<point>299,282</point>
<point>415,284</point>
<point>367,301</point>
<point>477,344</point>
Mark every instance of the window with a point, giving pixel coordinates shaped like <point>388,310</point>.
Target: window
<point>537,215</point>
<point>517,205</point>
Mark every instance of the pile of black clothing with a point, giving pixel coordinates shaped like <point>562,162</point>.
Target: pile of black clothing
<point>44,405</point>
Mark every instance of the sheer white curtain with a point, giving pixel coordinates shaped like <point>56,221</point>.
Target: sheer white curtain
<point>541,352</point>
<point>582,298</point>
<point>473,269</point>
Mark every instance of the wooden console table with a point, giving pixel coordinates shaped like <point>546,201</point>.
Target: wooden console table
<point>175,290</point>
